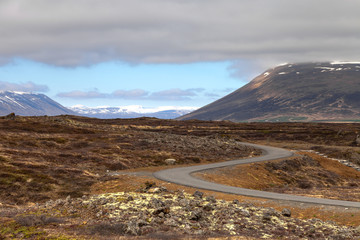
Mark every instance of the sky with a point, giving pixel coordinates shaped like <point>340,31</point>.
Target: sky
<point>164,52</point>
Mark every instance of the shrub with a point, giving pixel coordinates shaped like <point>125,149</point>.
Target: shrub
<point>34,220</point>
<point>304,184</point>
<point>109,229</point>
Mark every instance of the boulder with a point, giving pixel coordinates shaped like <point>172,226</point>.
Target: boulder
<point>170,161</point>
<point>286,212</point>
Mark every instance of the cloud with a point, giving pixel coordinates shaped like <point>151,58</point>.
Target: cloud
<point>132,94</point>
<point>175,94</point>
<point>247,70</point>
<point>212,95</point>
<point>23,87</point>
<point>178,31</point>
<point>82,95</point>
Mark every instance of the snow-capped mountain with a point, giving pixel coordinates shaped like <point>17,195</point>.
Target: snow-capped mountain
<point>292,92</point>
<point>29,104</point>
<point>134,111</point>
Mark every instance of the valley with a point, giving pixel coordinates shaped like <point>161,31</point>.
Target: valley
<point>53,166</point>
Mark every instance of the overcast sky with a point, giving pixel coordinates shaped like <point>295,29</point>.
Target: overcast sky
<point>164,52</point>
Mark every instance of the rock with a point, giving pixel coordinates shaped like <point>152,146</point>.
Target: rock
<point>102,201</point>
<point>235,201</point>
<point>156,203</point>
<point>357,139</point>
<point>266,217</point>
<point>195,203</point>
<point>142,223</point>
<point>154,190</point>
<point>211,199</point>
<point>99,214</point>
<point>133,228</point>
<point>184,202</point>
<point>91,205</point>
<point>272,212</point>
<point>198,194</point>
<point>171,222</point>
<point>196,215</point>
<point>10,116</point>
<point>208,207</point>
<point>245,213</point>
<point>59,202</point>
<point>286,212</point>
<point>157,190</point>
<point>170,161</point>
<point>163,210</point>
<point>49,203</point>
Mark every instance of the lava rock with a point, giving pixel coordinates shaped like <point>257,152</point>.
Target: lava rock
<point>198,194</point>
<point>286,212</point>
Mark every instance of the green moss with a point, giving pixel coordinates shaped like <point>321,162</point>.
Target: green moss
<point>11,230</point>
<point>61,238</point>
<point>11,178</point>
<point>121,199</point>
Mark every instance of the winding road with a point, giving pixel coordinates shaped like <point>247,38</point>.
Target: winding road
<point>183,176</point>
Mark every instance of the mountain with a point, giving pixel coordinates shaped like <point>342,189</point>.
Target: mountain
<point>292,92</point>
<point>131,111</point>
<point>29,104</point>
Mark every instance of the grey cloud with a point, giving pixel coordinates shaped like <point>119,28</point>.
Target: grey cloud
<point>175,94</point>
<point>132,94</point>
<point>121,94</point>
<point>212,95</point>
<point>246,70</point>
<point>73,33</point>
<point>23,87</point>
<point>82,95</point>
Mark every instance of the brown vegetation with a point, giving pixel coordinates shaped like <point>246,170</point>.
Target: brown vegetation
<point>43,158</point>
<point>307,174</point>
<point>52,157</point>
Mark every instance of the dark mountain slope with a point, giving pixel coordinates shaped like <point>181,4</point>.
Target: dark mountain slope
<point>306,91</point>
<point>30,104</point>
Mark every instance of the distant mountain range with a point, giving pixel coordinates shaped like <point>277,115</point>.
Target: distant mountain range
<point>33,104</point>
<point>131,111</point>
<point>30,104</point>
<point>292,92</point>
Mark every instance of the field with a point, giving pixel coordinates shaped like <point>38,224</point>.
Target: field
<point>44,159</point>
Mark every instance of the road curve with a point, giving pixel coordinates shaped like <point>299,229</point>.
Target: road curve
<point>183,176</point>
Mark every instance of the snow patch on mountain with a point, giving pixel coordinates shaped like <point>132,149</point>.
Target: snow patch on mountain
<point>340,62</point>
<point>29,104</point>
<point>132,111</point>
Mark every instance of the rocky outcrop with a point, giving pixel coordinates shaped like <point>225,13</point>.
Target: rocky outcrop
<point>181,214</point>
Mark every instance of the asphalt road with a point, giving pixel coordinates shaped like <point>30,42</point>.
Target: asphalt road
<point>183,176</point>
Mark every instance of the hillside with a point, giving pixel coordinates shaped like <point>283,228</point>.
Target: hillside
<point>298,92</point>
<point>29,104</point>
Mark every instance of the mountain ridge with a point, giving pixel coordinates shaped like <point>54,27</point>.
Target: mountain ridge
<point>306,91</point>
<point>133,111</point>
<point>30,104</point>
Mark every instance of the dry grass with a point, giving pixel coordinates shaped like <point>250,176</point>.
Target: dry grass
<point>324,178</point>
<point>129,183</point>
<point>52,157</point>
